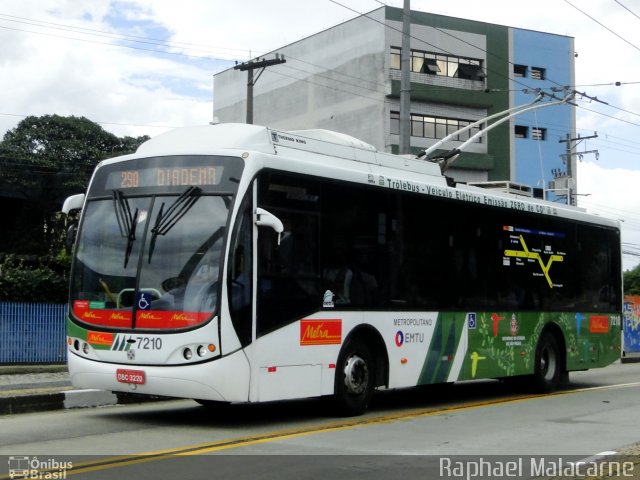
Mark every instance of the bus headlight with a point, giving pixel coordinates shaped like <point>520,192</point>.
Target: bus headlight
<point>201,351</point>
<point>187,353</point>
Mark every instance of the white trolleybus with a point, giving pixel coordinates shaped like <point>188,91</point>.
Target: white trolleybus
<point>237,263</point>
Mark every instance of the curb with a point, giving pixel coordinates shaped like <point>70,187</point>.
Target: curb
<point>31,403</point>
<point>71,399</point>
<point>23,369</point>
<point>630,358</point>
<point>89,398</point>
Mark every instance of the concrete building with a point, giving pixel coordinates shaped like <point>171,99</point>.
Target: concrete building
<point>347,79</point>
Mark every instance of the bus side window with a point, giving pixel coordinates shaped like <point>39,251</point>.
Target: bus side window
<point>288,274</point>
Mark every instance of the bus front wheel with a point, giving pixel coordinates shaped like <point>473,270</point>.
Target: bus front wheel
<point>355,378</point>
<point>548,364</point>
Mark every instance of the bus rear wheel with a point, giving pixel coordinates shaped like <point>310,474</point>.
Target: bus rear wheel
<point>548,364</point>
<point>355,378</point>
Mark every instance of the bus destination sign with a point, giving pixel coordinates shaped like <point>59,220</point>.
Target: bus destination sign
<point>165,177</point>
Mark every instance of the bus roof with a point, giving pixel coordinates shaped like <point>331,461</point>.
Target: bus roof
<point>308,145</point>
<point>235,136</point>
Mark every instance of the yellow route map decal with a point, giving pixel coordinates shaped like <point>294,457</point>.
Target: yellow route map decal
<point>525,253</point>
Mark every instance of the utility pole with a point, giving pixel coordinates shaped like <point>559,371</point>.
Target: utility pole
<point>250,66</point>
<point>568,158</point>
<point>405,81</point>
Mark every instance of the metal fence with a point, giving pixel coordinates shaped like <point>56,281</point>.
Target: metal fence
<point>32,333</point>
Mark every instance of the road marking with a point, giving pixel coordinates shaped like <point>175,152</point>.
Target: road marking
<point>121,461</point>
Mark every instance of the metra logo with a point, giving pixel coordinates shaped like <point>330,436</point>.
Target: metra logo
<point>91,315</point>
<point>148,316</point>
<point>320,332</point>
<point>100,338</point>
<point>599,324</point>
<point>118,316</point>
<point>180,317</point>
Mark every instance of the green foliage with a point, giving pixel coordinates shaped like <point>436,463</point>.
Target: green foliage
<point>43,160</point>
<point>632,281</point>
<point>42,280</point>
<point>57,154</point>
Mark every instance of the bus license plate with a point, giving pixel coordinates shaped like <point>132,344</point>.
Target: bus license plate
<point>130,376</point>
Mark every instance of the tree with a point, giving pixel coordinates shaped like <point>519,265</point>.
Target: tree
<point>632,281</point>
<point>42,161</point>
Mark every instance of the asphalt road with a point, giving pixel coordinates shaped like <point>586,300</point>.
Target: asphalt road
<point>406,433</point>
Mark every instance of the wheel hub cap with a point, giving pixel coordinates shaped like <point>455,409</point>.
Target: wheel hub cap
<point>356,375</point>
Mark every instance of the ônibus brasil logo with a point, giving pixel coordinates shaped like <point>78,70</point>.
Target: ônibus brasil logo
<point>34,468</point>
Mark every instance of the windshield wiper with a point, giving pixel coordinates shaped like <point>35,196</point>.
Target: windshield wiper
<point>127,223</point>
<point>165,221</point>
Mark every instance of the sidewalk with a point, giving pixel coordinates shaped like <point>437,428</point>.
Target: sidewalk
<point>37,388</point>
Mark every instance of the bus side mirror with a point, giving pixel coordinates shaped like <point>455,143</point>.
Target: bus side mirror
<point>74,202</point>
<point>266,219</point>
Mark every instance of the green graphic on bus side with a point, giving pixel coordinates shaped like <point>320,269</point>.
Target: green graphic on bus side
<point>442,350</point>
<point>503,344</point>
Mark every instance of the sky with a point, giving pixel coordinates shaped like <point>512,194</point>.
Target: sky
<point>142,67</point>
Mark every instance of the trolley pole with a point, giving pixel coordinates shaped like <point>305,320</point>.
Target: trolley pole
<point>249,67</point>
<point>405,81</point>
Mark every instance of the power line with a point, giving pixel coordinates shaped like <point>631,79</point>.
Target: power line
<point>101,122</point>
<point>603,25</point>
<point>166,44</point>
<point>627,9</point>
<point>609,116</point>
<point>439,48</point>
<point>497,56</point>
<point>136,38</point>
<point>173,45</point>
<point>132,47</point>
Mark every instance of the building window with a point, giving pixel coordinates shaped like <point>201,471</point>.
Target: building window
<point>470,72</point>
<point>395,58</point>
<point>426,126</point>
<point>425,65</point>
<point>519,70</point>
<point>417,126</point>
<point>538,133</point>
<point>521,131</point>
<point>395,123</point>
<point>538,73</point>
<point>442,65</point>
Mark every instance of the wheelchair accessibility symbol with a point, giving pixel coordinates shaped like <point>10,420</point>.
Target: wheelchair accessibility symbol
<point>471,321</point>
<point>144,300</point>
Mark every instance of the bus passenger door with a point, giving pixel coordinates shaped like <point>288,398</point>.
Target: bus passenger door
<point>240,286</point>
<point>287,290</point>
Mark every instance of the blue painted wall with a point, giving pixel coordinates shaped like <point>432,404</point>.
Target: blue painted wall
<point>535,160</point>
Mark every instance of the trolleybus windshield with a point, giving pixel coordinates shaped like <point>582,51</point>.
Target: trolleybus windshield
<point>149,248</point>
